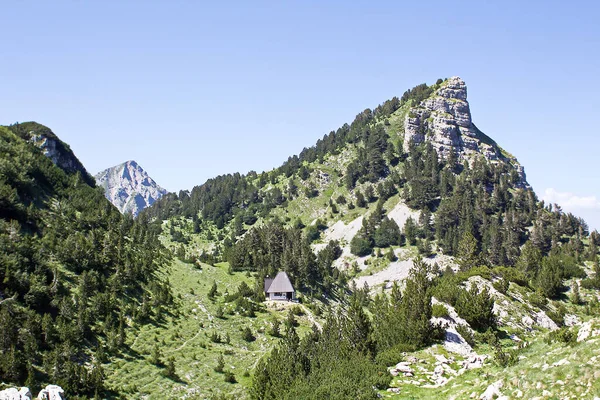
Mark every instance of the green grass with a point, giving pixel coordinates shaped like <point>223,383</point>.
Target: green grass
<point>532,375</point>
<point>184,334</point>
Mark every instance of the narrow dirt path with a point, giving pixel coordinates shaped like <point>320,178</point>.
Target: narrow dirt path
<point>311,317</point>
<point>184,343</point>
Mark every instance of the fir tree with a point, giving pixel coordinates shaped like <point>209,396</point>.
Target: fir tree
<point>170,371</point>
<point>220,364</point>
<point>213,291</point>
<point>576,296</point>
<point>467,252</point>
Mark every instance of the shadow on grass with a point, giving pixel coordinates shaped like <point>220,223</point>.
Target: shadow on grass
<point>129,354</point>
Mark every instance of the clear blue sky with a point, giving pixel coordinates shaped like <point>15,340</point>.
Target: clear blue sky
<point>194,89</point>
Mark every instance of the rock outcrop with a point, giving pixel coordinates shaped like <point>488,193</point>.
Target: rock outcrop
<point>129,187</point>
<point>492,391</point>
<point>51,392</point>
<point>52,147</point>
<point>15,394</point>
<point>444,120</point>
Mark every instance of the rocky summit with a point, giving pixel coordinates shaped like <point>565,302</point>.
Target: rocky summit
<point>423,263</point>
<point>444,120</point>
<point>129,187</point>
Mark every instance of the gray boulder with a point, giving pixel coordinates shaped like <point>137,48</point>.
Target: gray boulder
<point>51,392</point>
<point>15,394</point>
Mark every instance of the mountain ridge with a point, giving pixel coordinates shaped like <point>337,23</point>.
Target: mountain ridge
<point>398,254</point>
<point>52,147</point>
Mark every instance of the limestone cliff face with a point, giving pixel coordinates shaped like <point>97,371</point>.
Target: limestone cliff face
<point>129,187</point>
<point>52,147</point>
<point>51,392</point>
<point>444,120</point>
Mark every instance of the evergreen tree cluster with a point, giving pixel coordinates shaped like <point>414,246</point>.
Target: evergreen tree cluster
<point>401,321</point>
<point>73,272</point>
<point>477,213</point>
<point>222,198</point>
<point>377,231</point>
<point>271,248</point>
<point>370,164</point>
<point>349,357</point>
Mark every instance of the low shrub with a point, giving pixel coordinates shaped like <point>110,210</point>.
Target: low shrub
<point>502,285</point>
<point>466,333</point>
<point>562,335</point>
<point>439,311</point>
<point>229,377</point>
<point>393,356</point>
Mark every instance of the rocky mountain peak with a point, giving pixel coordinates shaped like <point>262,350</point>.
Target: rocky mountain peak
<point>454,88</point>
<point>129,187</point>
<point>444,120</point>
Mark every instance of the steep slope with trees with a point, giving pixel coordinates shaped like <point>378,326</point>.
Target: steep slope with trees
<point>467,259</point>
<point>472,203</point>
<point>75,273</point>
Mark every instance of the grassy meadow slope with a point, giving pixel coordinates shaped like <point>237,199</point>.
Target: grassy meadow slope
<point>185,333</point>
<point>473,221</point>
<point>506,287</point>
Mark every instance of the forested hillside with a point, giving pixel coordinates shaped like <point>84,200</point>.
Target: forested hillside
<point>417,249</point>
<point>464,201</point>
<point>75,276</point>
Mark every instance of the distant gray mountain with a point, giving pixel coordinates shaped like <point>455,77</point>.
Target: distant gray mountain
<point>129,187</point>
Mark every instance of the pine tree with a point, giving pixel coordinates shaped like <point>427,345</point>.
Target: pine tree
<point>358,328</point>
<point>156,356</point>
<point>476,307</point>
<point>220,364</point>
<point>31,381</point>
<point>213,291</point>
<point>391,255</point>
<point>467,252</point>
<point>530,260</point>
<point>415,306</point>
<point>576,296</point>
<point>410,231</point>
<point>387,234</point>
<point>592,251</point>
<point>549,278</point>
<point>170,371</point>
<point>247,335</point>
<point>275,328</point>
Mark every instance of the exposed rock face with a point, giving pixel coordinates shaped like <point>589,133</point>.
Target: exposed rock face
<point>52,147</point>
<point>51,392</point>
<point>444,120</point>
<point>15,394</point>
<point>492,391</point>
<point>129,187</point>
<point>588,329</point>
